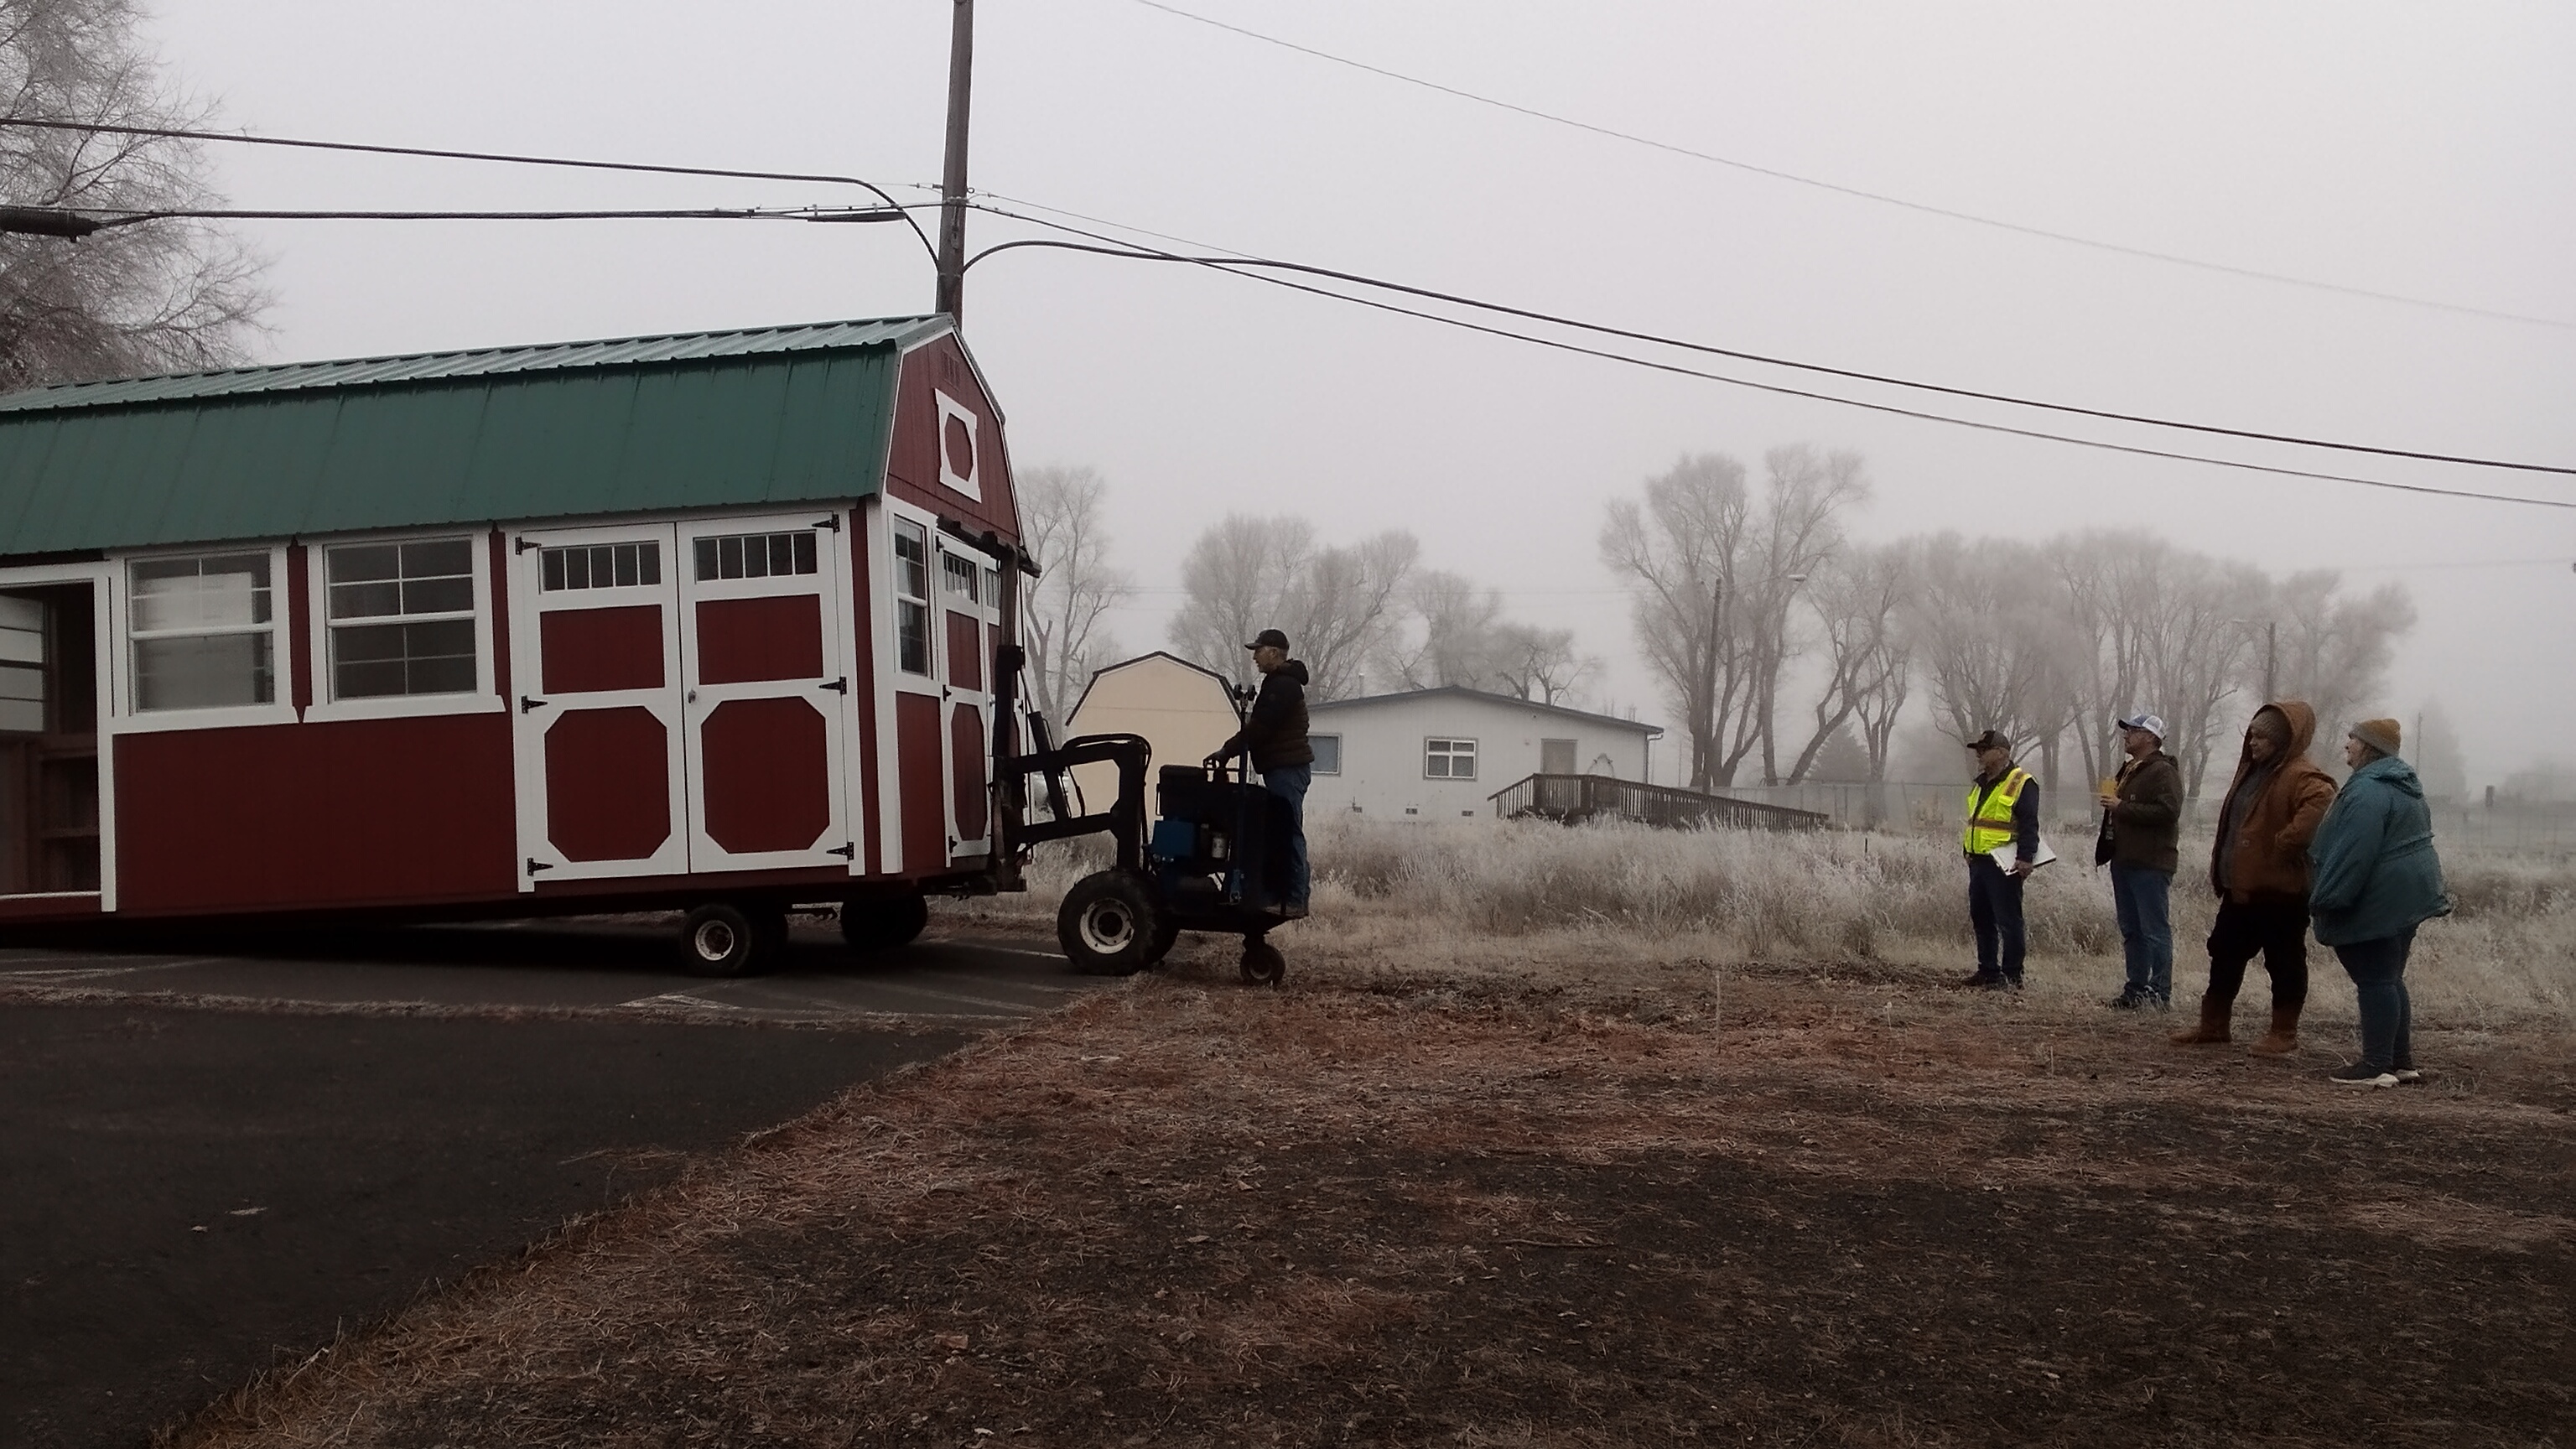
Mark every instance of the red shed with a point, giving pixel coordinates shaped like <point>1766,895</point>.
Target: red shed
<point>706,621</point>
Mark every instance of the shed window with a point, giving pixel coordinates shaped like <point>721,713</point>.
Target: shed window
<point>1328,753</point>
<point>1449,759</point>
<point>912,597</point>
<point>402,617</point>
<point>203,631</point>
<point>602,566</point>
<point>755,555</point>
<point>960,576</point>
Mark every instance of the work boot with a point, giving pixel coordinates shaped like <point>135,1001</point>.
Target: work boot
<point>2213,1024</point>
<point>2283,1038</point>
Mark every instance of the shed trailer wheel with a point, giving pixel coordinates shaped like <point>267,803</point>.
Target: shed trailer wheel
<point>882,925</point>
<point>721,939</point>
<point>1109,924</point>
<point>1262,963</point>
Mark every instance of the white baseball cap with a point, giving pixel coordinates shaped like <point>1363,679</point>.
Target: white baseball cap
<point>2152,724</point>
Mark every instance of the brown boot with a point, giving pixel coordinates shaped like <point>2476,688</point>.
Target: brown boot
<point>2212,1027</point>
<point>2283,1038</point>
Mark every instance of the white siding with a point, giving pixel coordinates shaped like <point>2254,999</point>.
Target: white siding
<point>1383,756</point>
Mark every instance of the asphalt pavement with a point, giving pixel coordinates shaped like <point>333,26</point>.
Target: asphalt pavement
<point>217,1160</point>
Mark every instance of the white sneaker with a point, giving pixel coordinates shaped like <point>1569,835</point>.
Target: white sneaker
<point>2406,1076</point>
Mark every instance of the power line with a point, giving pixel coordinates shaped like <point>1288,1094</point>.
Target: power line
<point>105,219</point>
<point>1223,264</point>
<point>1239,259</point>
<point>496,157</point>
<point>896,210</point>
<point>2118,248</point>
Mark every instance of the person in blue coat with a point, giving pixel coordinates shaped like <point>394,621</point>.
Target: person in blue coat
<point>2375,879</point>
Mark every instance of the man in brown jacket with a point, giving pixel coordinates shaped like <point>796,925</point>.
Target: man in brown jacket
<point>2259,867</point>
<point>2141,824</point>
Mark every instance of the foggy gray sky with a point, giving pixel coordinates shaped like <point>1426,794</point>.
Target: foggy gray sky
<point>2400,148</point>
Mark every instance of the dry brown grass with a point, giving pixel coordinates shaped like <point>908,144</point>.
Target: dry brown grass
<point>1578,1190</point>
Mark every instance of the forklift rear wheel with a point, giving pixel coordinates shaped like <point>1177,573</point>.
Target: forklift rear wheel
<point>882,925</point>
<point>1109,924</point>
<point>1262,963</point>
<point>720,940</point>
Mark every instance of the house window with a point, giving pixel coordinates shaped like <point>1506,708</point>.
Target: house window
<point>1449,759</point>
<point>402,618</point>
<point>1328,753</point>
<point>602,566</point>
<point>203,631</point>
<point>1556,757</point>
<point>912,597</point>
<point>755,555</point>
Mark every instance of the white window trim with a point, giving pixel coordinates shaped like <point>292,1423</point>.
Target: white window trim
<point>897,513</point>
<point>1337,753</point>
<point>1475,756</point>
<point>317,586</point>
<point>130,720</point>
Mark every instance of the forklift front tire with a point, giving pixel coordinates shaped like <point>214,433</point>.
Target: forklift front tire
<point>1109,924</point>
<point>1262,963</point>
<point>719,940</point>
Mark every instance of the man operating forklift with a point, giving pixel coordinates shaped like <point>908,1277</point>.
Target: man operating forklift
<point>1275,733</point>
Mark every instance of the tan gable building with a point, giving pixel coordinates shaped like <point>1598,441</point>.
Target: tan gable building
<point>1185,710</point>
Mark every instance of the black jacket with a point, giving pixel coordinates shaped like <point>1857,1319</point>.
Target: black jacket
<point>1276,732</point>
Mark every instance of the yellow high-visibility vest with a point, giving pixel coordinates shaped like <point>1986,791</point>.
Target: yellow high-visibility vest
<point>1990,822</point>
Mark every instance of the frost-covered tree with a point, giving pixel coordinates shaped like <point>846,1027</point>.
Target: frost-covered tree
<point>167,295</point>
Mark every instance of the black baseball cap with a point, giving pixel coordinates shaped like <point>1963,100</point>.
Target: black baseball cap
<point>1269,638</point>
<point>1990,740</point>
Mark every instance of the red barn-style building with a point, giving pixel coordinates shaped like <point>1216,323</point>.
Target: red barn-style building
<point>706,621</point>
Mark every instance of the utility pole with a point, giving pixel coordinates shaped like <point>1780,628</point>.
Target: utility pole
<point>952,180</point>
<point>2271,658</point>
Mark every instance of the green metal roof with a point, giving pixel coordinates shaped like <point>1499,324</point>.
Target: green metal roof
<point>695,420</point>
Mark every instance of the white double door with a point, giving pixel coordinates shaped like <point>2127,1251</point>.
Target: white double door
<point>683,699</point>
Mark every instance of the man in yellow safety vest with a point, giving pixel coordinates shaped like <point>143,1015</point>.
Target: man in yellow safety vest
<point>2003,810</point>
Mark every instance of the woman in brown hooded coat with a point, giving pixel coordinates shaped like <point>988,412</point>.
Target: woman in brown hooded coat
<point>2259,867</point>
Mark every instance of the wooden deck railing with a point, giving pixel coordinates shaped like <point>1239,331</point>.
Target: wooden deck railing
<point>1574,798</point>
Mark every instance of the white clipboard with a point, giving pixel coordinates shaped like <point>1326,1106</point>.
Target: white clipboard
<point>2003,854</point>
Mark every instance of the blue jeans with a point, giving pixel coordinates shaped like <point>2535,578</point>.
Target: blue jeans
<point>1287,784</point>
<point>1994,908</point>
<point>2378,972</point>
<point>2143,896</point>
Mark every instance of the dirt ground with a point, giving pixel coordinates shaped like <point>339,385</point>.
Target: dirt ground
<point>1762,1206</point>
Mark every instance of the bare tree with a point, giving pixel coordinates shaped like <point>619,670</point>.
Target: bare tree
<point>1716,573</point>
<point>1801,530</point>
<point>1060,508</point>
<point>2335,648</point>
<point>1459,622</point>
<point>1235,582</point>
<point>1996,649</point>
<point>155,296</point>
<point>1542,664</point>
<point>1341,607</point>
<point>1684,548</point>
<point>1859,597</point>
<point>1336,604</point>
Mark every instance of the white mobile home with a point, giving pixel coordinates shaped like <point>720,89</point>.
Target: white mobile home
<point>1442,754</point>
